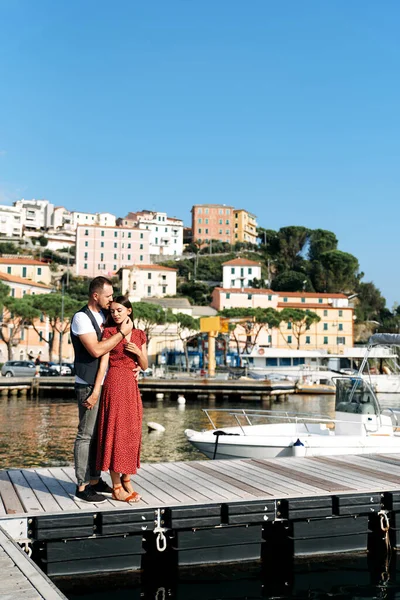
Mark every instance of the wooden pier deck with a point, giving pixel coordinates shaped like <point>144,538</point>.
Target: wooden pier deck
<point>20,577</point>
<point>206,512</point>
<point>32,492</point>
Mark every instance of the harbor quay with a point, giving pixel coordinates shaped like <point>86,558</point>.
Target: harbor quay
<point>164,389</point>
<point>208,513</point>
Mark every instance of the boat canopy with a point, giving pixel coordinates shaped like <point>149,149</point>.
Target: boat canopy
<point>384,339</point>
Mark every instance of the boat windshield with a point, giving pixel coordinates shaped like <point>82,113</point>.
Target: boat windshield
<point>354,395</point>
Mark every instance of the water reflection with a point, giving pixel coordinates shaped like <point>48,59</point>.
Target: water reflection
<point>41,433</point>
<point>348,577</point>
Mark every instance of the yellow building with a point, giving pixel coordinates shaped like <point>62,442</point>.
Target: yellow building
<point>245,227</point>
<point>333,332</point>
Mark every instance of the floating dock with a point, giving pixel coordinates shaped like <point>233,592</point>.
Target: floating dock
<point>20,577</point>
<point>207,512</point>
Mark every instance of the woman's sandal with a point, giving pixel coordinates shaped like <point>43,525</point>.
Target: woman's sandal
<point>123,481</point>
<point>131,498</point>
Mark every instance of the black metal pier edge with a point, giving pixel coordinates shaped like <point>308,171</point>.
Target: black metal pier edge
<point>275,531</point>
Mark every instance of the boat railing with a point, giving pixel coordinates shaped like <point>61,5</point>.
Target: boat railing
<point>248,415</point>
<point>295,417</point>
<point>394,414</point>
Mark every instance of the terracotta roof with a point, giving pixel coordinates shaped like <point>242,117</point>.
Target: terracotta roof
<point>310,295</point>
<point>245,291</point>
<point>241,262</point>
<point>149,268</point>
<point>22,261</point>
<point>304,306</point>
<point>16,279</point>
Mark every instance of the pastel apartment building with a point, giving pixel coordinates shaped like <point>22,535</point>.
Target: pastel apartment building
<point>166,233</point>
<point>26,268</point>
<point>27,339</point>
<point>333,332</point>
<point>245,227</point>
<point>212,222</point>
<point>152,281</point>
<point>104,250</point>
<point>222,223</point>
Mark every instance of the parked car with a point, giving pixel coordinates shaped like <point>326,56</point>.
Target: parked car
<point>45,371</point>
<point>65,368</point>
<point>18,368</point>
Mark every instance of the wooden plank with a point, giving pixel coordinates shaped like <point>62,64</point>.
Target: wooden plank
<point>25,493</point>
<point>9,496</point>
<point>210,478</point>
<point>191,482</point>
<point>2,507</point>
<point>147,484</point>
<point>361,477</point>
<point>57,491</point>
<point>356,465</point>
<point>379,463</point>
<point>189,495</point>
<point>224,493</point>
<point>27,570</point>
<point>249,477</point>
<point>383,459</point>
<point>42,492</point>
<point>277,484</point>
<point>318,482</point>
<point>218,471</point>
<point>337,477</point>
<point>292,486</point>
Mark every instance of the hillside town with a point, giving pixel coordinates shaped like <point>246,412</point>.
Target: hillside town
<point>51,247</point>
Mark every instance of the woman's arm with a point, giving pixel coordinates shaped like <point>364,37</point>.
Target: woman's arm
<point>94,396</point>
<point>141,354</point>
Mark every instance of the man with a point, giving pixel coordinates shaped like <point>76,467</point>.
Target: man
<point>86,331</point>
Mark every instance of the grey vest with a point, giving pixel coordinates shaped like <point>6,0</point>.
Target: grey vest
<point>86,365</point>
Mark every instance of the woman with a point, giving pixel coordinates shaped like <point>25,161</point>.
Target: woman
<point>120,411</point>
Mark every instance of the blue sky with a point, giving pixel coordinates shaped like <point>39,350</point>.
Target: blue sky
<point>289,109</point>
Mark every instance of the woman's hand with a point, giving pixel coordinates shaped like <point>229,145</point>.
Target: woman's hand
<point>132,347</point>
<point>91,401</point>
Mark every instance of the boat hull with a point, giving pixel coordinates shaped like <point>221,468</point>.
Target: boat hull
<point>228,450</point>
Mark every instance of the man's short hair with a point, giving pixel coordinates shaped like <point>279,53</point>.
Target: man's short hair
<point>97,284</point>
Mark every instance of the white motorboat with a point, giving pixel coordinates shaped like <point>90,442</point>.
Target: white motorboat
<point>360,426</point>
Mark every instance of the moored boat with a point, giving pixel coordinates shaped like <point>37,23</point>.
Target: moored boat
<point>360,425</point>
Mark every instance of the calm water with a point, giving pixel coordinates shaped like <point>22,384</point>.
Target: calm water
<point>41,433</point>
<point>347,577</point>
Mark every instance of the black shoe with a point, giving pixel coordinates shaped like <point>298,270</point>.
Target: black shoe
<point>102,487</point>
<point>89,495</point>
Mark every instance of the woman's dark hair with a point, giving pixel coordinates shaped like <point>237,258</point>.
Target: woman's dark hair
<point>124,300</point>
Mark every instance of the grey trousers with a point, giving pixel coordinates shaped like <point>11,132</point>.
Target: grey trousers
<point>85,449</point>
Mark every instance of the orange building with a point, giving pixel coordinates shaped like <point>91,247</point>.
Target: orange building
<point>212,222</point>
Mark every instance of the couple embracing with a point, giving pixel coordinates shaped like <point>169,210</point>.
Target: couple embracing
<point>109,353</point>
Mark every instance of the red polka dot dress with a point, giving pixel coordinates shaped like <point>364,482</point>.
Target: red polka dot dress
<point>120,411</point>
